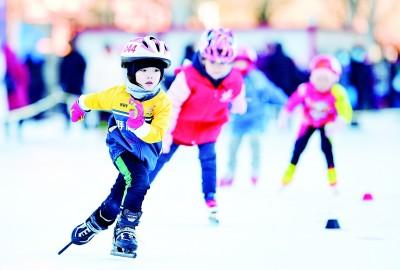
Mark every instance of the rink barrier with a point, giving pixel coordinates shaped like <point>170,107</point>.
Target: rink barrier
<point>36,108</point>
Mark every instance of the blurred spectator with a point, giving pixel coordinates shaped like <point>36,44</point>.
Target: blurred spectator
<point>16,82</point>
<point>102,72</point>
<point>281,69</point>
<point>189,52</point>
<point>3,91</point>
<point>344,59</point>
<point>16,79</point>
<point>361,77</point>
<point>36,88</point>
<point>394,85</point>
<point>71,75</point>
<point>381,74</point>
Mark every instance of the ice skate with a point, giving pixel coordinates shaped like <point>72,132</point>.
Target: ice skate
<point>288,176</point>
<point>123,252</point>
<point>332,181</point>
<point>332,177</point>
<point>212,210</point>
<point>84,232</point>
<point>124,241</point>
<point>213,216</point>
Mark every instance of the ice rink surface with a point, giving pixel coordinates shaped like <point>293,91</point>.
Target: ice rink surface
<point>51,180</point>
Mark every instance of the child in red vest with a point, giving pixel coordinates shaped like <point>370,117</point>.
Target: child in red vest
<point>203,94</point>
<point>325,107</point>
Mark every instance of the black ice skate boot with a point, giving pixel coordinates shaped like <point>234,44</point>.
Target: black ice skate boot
<point>84,232</point>
<point>124,242</point>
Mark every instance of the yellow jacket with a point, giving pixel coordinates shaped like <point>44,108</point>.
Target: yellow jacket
<point>144,142</point>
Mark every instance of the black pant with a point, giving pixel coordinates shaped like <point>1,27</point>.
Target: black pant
<point>134,178</point>
<point>302,141</point>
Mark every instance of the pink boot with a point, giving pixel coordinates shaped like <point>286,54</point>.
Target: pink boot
<point>211,203</point>
<point>254,180</point>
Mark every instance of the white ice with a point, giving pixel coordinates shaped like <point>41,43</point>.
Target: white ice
<point>51,180</point>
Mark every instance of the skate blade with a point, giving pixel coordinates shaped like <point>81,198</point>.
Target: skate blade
<point>121,253</point>
<point>213,219</point>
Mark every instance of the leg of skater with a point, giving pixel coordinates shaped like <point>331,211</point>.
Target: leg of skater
<point>234,144</point>
<point>137,183</point>
<point>208,163</point>
<point>299,146</point>
<point>102,217</point>
<point>255,147</point>
<point>326,147</point>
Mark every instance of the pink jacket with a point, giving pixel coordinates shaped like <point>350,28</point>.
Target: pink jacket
<point>318,108</point>
<point>200,109</point>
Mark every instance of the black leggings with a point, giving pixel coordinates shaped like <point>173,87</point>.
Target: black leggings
<point>302,141</point>
<point>133,179</point>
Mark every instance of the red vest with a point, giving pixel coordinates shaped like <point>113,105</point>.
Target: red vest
<point>207,108</point>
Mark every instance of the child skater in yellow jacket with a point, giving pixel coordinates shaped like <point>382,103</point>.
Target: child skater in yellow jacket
<point>140,118</point>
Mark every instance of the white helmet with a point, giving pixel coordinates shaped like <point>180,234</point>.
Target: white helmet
<point>145,47</point>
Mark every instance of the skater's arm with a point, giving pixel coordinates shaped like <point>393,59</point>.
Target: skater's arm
<point>102,100</point>
<point>239,104</point>
<point>178,92</point>
<point>296,98</point>
<point>342,103</point>
<point>154,132</point>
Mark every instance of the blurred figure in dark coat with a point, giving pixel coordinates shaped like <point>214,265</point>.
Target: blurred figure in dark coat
<point>36,87</point>
<point>361,77</point>
<point>281,69</point>
<point>71,76</point>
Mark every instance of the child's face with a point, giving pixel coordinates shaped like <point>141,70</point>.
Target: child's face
<point>323,79</point>
<point>217,70</point>
<point>148,77</point>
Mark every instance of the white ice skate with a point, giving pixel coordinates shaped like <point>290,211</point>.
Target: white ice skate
<point>212,211</point>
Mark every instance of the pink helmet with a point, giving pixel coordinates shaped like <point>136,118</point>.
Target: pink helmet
<point>247,54</point>
<point>217,45</point>
<point>326,61</point>
<point>145,47</point>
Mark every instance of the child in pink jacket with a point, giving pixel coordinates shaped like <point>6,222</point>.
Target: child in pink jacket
<point>203,94</point>
<point>325,107</point>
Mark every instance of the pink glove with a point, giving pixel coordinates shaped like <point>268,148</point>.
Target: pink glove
<point>136,115</point>
<point>77,114</point>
